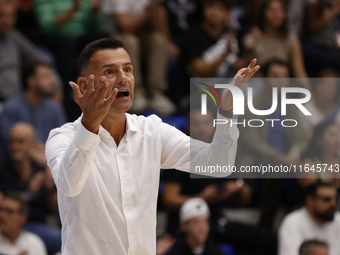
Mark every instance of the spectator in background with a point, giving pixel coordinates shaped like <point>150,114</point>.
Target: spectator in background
<point>322,149</point>
<point>33,106</point>
<point>210,50</point>
<point>26,171</point>
<point>15,49</point>
<point>313,247</point>
<point>271,38</point>
<point>13,216</point>
<point>179,187</point>
<point>141,25</point>
<point>194,216</point>
<point>272,143</point>
<point>321,35</point>
<point>318,219</point>
<point>324,104</point>
<point>67,26</point>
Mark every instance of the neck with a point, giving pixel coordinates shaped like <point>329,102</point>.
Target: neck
<point>115,124</point>
<point>23,168</point>
<point>212,30</point>
<point>32,97</point>
<point>12,236</point>
<point>329,158</point>
<point>192,243</point>
<point>325,107</point>
<point>271,31</point>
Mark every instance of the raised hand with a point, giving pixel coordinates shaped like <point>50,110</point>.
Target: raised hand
<point>93,103</point>
<point>241,77</point>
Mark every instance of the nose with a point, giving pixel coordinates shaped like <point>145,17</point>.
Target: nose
<point>121,77</point>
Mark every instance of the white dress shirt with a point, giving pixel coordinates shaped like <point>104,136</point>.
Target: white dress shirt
<point>26,241</point>
<point>107,195</point>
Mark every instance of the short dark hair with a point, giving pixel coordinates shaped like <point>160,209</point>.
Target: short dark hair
<point>313,188</point>
<point>19,197</point>
<point>274,61</point>
<point>306,245</point>
<point>30,69</point>
<point>91,48</point>
<point>226,3</point>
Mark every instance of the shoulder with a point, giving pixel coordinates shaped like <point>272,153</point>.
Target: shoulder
<point>13,104</point>
<point>32,239</point>
<point>294,218</point>
<point>67,129</point>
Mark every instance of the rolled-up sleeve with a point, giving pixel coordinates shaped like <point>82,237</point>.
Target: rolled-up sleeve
<point>70,155</point>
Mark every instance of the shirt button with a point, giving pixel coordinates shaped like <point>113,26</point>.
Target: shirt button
<point>125,204</point>
<point>131,253</point>
<point>89,163</point>
<point>123,178</point>
<point>130,230</point>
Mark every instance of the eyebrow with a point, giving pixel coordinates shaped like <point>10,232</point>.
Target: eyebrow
<point>111,65</point>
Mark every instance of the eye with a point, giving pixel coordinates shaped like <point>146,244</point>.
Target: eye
<point>109,72</point>
<point>127,69</point>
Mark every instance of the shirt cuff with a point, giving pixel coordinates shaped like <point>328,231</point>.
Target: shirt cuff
<point>84,139</point>
<point>225,128</point>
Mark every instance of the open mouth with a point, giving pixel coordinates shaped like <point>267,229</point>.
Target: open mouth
<point>124,93</point>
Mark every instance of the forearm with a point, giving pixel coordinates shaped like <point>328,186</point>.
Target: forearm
<point>63,18</point>
<point>71,163</point>
<point>130,24</point>
<point>202,68</point>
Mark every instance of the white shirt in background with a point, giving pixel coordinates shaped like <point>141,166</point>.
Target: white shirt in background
<point>26,241</point>
<point>298,227</point>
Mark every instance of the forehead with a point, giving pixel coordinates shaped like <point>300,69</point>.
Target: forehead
<point>9,202</point>
<point>326,191</point>
<point>102,57</point>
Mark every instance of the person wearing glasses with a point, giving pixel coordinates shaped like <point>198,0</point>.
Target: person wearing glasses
<point>13,239</point>
<point>318,219</point>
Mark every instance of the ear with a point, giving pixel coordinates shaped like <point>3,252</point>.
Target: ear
<point>29,81</point>
<point>308,201</point>
<point>184,227</point>
<point>23,219</point>
<point>82,83</point>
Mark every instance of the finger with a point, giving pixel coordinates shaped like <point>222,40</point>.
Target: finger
<point>252,63</point>
<point>100,85</point>
<point>76,92</point>
<point>112,97</point>
<point>104,90</point>
<point>90,85</point>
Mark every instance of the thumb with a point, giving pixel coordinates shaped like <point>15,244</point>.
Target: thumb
<point>76,92</point>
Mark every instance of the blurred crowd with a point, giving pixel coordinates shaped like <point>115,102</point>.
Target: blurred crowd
<point>171,41</point>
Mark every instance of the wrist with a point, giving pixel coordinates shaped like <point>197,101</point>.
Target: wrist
<point>90,125</point>
<point>228,114</point>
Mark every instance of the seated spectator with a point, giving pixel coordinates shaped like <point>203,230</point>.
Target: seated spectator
<point>194,216</point>
<point>271,39</point>
<point>219,193</point>
<point>324,104</point>
<point>322,149</point>
<point>313,247</point>
<point>14,240</point>
<point>14,50</point>
<point>140,25</point>
<point>318,219</point>
<point>33,106</point>
<point>210,50</point>
<point>272,143</point>
<point>26,171</point>
<point>320,36</point>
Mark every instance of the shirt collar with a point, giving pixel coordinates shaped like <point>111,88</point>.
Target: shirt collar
<point>130,126</point>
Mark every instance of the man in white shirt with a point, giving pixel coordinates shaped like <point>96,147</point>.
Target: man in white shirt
<point>106,164</point>
<point>317,220</point>
<point>13,239</point>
